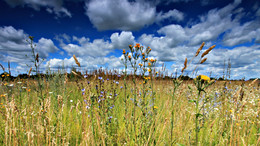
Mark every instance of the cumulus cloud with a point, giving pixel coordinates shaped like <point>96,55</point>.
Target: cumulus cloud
<point>88,62</point>
<point>97,48</point>
<point>52,6</point>
<point>122,40</point>
<point>14,47</point>
<point>120,14</point>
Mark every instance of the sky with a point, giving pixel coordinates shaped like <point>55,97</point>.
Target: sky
<point>96,32</point>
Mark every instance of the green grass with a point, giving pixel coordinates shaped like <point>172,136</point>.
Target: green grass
<point>65,120</point>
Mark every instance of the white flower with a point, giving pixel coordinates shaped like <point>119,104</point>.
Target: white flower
<point>71,100</point>
<point>19,82</point>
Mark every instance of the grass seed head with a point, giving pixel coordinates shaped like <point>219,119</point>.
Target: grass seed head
<point>200,48</point>
<point>76,60</point>
<point>203,60</point>
<point>207,51</point>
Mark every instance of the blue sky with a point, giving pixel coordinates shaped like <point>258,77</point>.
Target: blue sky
<point>96,31</point>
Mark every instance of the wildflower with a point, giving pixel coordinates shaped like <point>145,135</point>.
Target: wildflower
<point>7,75</point>
<point>156,72</point>
<point>121,87</point>
<point>117,83</point>
<point>155,107</point>
<point>71,100</point>
<point>50,92</point>
<point>83,90</point>
<point>19,82</point>
<point>149,64</point>
<point>129,57</point>
<point>11,85</point>
<point>3,76</point>
<point>107,79</point>
<point>152,60</point>
<point>203,77</point>
<point>85,76</point>
<point>146,59</point>
<point>100,78</point>
<point>29,90</point>
<point>137,45</point>
<point>237,124</point>
<point>5,84</point>
<point>130,46</point>
<point>149,70</point>
<point>124,51</point>
<point>143,54</point>
<point>140,64</point>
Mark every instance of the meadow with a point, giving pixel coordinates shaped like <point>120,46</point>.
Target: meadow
<point>116,107</point>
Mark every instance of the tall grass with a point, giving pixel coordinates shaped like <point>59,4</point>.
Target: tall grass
<point>113,108</point>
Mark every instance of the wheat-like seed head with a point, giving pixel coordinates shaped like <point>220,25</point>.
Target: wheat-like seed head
<point>203,60</point>
<point>29,74</point>
<point>76,60</point>
<point>185,64</point>
<point>37,57</point>
<point>207,51</point>
<point>200,48</point>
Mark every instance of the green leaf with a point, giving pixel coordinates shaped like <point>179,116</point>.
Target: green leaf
<point>192,100</point>
<point>179,144</point>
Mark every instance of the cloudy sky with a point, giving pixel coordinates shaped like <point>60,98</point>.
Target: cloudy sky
<point>97,31</point>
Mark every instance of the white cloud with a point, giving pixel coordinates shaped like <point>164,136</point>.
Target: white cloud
<point>98,47</point>
<point>122,40</point>
<point>52,6</point>
<point>170,15</point>
<point>14,47</point>
<point>120,14</point>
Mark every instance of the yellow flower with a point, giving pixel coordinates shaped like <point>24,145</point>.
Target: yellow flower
<point>155,107</point>
<point>3,75</point>
<point>149,70</point>
<point>203,77</point>
<point>231,111</point>
<point>7,75</point>
<point>237,124</point>
<point>157,72</point>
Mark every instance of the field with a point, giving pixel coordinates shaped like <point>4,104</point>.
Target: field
<point>118,108</point>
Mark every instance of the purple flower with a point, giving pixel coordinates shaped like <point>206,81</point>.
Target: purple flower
<point>102,92</point>
<point>117,83</point>
<point>110,94</point>
<point>100,78</point>
<point>121,87</point>
<point>88,82</point>
<point>115,94</point>
<point>119,76</point>
<point>83,90</point>
<point>85,76</point>
<point>107,79</point>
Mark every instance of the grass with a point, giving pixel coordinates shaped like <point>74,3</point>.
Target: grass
<point>66,119</point>
<point>110,108</point>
